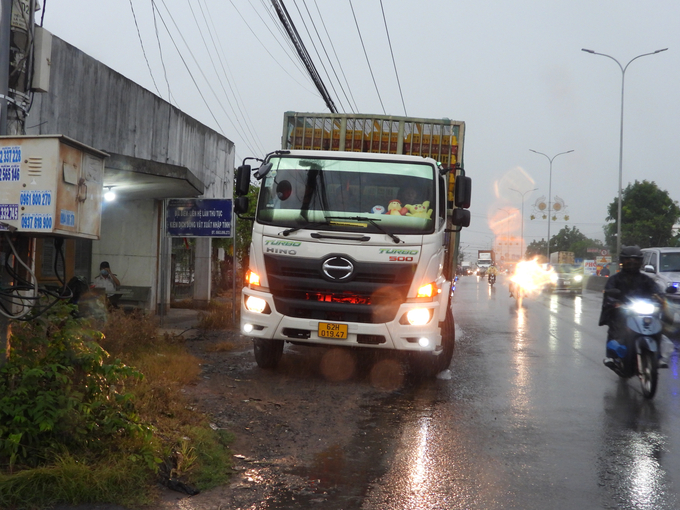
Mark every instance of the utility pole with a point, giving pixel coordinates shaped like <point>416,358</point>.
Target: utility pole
<point>5,19</point>
<point>16,34</point>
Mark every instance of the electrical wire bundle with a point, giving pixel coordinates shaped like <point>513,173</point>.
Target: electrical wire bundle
<point>20,292</point>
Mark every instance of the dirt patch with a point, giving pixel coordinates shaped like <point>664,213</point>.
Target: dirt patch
<point>293,425</point>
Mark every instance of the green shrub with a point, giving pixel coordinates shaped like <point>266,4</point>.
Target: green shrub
<point>59,392</point>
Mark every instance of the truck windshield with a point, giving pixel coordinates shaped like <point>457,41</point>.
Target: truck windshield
<point>340,194</point>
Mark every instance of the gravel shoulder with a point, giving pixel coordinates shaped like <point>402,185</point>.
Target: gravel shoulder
<point>294,426</point>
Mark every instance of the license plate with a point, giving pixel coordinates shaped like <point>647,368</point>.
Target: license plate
<point>331,330</point>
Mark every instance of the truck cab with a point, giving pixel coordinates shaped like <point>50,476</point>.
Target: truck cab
<point>338,258</point>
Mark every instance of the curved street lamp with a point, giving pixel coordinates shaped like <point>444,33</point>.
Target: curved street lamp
<point>623,76</point>
<point>522,229</point>
<point>547,249</point>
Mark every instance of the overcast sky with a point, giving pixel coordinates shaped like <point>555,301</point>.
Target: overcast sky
<point>513,71</point>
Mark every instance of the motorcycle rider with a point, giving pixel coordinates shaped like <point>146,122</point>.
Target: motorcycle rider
<point>631,283</point>
<point>492,271</point>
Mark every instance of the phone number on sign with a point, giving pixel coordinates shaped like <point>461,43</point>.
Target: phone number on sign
<point>9,173</point>
<point>9,212</point>
<point>36,221</point>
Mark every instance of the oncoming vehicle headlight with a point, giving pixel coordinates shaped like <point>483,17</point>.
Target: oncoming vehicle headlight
<point>578,278</point>
<point>643,307</point>
<point>255,304</point>
<point>553,277</point>
<point>418,316</point>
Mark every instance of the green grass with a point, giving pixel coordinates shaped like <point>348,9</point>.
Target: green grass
<point>126,474</point>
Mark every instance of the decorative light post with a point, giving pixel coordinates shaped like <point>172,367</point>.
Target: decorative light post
<point>623,76</point>
<point>522,229</point>
<point>547,249</point>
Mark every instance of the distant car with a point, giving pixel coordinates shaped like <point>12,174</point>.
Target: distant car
<point>663,266</point>
<point>566,278</point>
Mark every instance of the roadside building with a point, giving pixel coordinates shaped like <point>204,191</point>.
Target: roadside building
<point>155,152</point>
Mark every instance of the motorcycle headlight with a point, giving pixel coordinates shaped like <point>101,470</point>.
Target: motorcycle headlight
<point>643,307</point>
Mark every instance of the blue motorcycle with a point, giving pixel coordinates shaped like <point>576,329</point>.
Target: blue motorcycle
<point>636,351</point>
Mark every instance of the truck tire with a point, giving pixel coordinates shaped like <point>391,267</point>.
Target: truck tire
<point>267,352</point>
<point>427,365</point>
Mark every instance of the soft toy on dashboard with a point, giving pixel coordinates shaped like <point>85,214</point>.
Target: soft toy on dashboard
<point>394,207</point>
<point>419,210</point>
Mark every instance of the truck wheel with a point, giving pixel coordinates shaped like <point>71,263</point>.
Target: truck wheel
<point>267,352</point>
<point>448,341</point>
<point>427,365</point>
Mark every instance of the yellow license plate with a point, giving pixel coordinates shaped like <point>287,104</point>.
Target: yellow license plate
<point>331,330</point>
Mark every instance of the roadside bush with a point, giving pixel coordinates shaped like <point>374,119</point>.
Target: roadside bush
<point>79,425</point>
<point>60,392</point>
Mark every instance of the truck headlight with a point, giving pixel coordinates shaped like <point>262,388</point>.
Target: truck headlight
<point>418,316</point>
<point>255,304</point>
<point>578,278</point>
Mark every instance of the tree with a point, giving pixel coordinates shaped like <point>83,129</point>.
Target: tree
<point>536,249</point>
<point>648,214</point>
<point>565,240</point>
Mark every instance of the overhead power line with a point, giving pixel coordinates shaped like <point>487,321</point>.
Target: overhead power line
<point>288,24</point>
<point>366,55</point>
<point>141,43</point>
<point>323,46</point>
<point>392,53</point>
<point>355,108</point>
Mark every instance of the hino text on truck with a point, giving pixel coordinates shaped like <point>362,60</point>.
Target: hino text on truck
<point>352,241</point>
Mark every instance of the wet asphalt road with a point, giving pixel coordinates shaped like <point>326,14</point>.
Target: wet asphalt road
<point>531,418</point>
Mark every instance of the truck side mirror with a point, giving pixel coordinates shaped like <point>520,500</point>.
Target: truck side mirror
<point>463,191</point>
<point>241,205</point>
<point>649,269</point>
<point>263,170</point>
<point>242,180</point>
<point>460,217</point>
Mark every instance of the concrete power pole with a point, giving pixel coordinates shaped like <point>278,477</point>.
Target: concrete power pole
<point>5,19</point>
<point>16,43</point>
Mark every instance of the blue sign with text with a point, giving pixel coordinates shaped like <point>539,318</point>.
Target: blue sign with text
<point>199,217</point>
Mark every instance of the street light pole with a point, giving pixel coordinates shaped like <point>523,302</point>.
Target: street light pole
<point>522,229</point>
<point>547,249</point>
<point>623,76</point>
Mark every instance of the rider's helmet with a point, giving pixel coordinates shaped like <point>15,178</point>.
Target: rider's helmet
<point>631,258</point>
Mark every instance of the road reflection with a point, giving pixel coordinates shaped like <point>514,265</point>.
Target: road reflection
<point>629,461</point>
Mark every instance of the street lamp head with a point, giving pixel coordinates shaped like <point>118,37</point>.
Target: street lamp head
<point>587,51</point>
<point>659,51</point>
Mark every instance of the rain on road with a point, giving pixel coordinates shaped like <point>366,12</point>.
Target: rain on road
<point>531,418</point>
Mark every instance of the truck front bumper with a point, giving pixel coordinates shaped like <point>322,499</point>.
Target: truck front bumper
<point>390,335</point>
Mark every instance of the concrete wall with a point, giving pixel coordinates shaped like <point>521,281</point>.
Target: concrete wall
<point>101,108</point>
<point>129,242</point>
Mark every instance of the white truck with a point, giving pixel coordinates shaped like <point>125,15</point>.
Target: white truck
<point>338,257</point>
<point>485,259</point>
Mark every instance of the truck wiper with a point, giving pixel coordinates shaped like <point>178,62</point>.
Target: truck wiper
<point>371,221</point>
<point>289,231</point>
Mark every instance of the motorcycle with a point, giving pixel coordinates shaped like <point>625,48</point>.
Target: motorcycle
<point>636,351</point>
<point>492,279</point>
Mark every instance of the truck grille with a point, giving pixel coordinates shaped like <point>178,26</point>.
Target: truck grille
<point>372,295</point>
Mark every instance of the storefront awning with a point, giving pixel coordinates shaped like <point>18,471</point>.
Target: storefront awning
<point>134,179</point>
